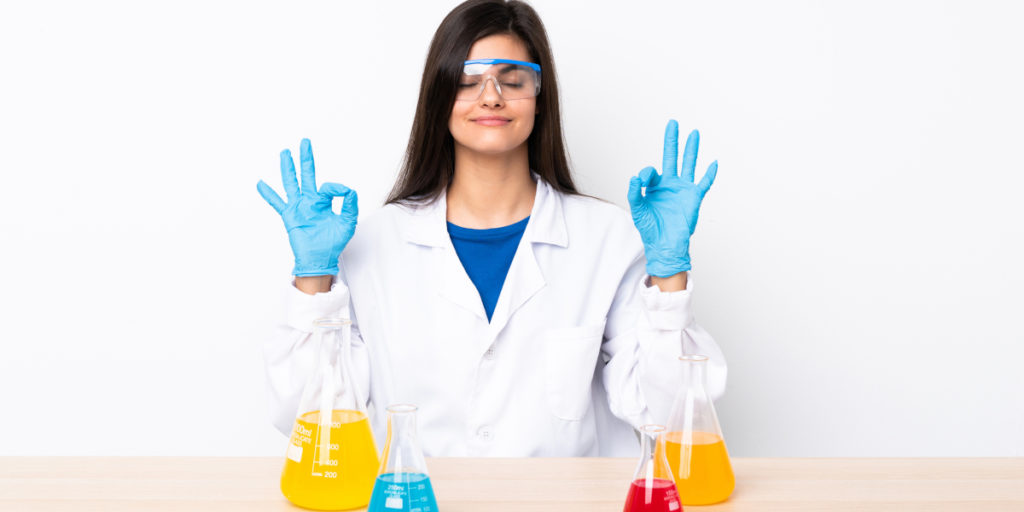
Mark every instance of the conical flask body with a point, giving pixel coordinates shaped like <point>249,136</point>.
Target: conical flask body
<point>403,484</point>
<point>652,488</point>
<point>332,460</point>
<point>694,445</point>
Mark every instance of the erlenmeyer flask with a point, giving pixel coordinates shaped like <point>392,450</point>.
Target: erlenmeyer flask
<point>403,484</point>
<point>694,444</point>
<point>332,460</point>
<point>652,489</point>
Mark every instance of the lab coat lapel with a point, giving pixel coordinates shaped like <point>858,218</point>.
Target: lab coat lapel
<point>454,284</point>
<point>525,278</point>
<point>523,281</point>
<point>427,227</point>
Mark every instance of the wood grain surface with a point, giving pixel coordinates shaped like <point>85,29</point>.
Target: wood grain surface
<point>156,484</point>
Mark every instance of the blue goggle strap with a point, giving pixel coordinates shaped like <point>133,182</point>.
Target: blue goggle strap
<point>535,67</point>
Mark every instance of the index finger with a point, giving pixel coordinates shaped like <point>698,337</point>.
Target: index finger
<point>308,172</point>
<point>671,152</point>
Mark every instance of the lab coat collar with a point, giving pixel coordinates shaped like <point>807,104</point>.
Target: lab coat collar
<point>428,223</point>
<point>547,221</point>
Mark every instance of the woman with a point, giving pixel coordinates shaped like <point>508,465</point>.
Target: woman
<point>517,313</point>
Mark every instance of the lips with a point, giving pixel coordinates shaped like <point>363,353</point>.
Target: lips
<point>492,120</point>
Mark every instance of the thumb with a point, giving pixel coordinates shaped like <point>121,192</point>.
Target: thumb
<point>351,205</point>
<point>633,195</point>
<point>647,178</point>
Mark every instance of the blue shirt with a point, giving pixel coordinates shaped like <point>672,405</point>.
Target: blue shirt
<point>486,254</point>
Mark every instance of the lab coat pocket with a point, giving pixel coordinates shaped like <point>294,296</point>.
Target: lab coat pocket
<point>570,356</point>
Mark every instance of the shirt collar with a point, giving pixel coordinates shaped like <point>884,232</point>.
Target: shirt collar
<point>427,223</point>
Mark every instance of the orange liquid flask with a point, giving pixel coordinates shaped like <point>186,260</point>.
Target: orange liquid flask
<point>332,461</point>
<point>694,445</point>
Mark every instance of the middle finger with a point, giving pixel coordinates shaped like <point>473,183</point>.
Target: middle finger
<point>671,152</point>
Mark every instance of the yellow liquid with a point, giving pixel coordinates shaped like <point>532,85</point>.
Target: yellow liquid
<point>341,480</point>
<point>702,470</point>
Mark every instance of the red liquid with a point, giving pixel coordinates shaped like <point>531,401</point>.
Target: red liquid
<point>661,496</point>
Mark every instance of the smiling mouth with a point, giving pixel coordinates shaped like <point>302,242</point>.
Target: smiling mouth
<point>491,121</point>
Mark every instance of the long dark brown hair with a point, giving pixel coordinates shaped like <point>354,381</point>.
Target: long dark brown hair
<point>429,163</point>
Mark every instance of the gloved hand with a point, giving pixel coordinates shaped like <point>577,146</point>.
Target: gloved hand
<point>317,234</point>
<point>666,212</point>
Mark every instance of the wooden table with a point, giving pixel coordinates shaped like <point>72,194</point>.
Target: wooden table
<point>523,485</point>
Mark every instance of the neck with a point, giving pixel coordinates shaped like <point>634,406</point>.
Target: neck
<point>490,191</point>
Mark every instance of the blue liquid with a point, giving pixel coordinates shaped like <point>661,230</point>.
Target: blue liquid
<point>403,492</point>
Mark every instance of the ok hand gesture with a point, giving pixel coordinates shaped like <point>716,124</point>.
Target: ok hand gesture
<point>665,206</point>
<point>317,234</point>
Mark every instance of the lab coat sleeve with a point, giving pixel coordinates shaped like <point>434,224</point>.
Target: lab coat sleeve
<point>642,372</point>
<point>668,330</point>
<point>290,351</point>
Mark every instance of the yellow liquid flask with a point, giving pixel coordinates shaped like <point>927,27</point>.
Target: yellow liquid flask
<point>694,445</point>
<point>332,461</point>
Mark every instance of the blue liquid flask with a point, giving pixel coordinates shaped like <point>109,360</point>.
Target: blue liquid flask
<point>403,484</point>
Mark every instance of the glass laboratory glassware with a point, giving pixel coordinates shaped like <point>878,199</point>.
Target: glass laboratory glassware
<point>694,444</point>
<point>403,484</point>
<point>332,460</point>
<point>652,488</point>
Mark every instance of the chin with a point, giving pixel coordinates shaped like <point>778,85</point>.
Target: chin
<point>492,149</point>
<point>490,145</point>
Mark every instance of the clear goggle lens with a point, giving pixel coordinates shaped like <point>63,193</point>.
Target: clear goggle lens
<point>513,79</point>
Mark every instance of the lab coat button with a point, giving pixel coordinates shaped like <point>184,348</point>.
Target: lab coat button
<point>484,433</point>
<point>489,354</point>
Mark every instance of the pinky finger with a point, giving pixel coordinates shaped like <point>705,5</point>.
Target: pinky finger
<point>709,178</point>
<point>270,196</point>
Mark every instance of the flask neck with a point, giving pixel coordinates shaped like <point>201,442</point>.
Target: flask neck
<point>652,455</point>
<point>694,373</point>
<point>402,422</point>
<point>327,339</point>
<point>693,410</point>
<point>330,334</point>
<point>331,384</point>
<point>648,443</point>
<point>402,453</point>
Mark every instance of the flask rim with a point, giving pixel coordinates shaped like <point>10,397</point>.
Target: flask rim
<point>652,428</point>
<point>401,408</point>
<point>694,358</point>
<point>331,323</point>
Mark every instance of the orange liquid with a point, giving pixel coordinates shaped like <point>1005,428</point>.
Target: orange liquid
<point>702,470</point>
<point>340,479</point>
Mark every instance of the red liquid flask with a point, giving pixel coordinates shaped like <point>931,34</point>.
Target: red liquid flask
<point>660,495</point>
<point>653,489</point>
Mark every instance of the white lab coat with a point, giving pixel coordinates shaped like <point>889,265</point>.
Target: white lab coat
<point>578,351</point>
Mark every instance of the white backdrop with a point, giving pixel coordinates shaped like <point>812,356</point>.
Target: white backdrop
<point>859,258</point>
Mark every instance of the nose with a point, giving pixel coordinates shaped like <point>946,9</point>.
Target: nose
<point>490,95</point>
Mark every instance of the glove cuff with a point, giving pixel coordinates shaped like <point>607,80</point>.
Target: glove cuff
<point>668,268</point>
<point>316,262</point>
<point>324,271</point>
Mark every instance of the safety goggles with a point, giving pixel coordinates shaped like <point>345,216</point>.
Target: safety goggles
<point>513,79</point>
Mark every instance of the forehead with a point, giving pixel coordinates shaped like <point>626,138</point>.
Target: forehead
<point>499,46</point>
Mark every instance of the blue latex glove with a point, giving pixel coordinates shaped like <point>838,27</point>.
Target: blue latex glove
<point>317,234</point>
<point>666,212</point>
